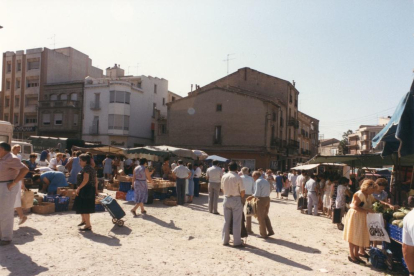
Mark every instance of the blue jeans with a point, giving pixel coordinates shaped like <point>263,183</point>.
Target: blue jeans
<point>294,192</point>
<point>196,187</point>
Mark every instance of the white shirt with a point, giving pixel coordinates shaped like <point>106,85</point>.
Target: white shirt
<point>232,184</point>
<point>214,174</point>
<point>311,185</point>
<point>340,201</point>
<point>197,173</point>
<point>261,188</point>
<point>173,165</point>
<point>293,179</point>
<point>408,229</point>
<point>290,176</point>
<point>53,163</point>
<point>248,183</point>
<point>181,171</point>
<point>301,180</point>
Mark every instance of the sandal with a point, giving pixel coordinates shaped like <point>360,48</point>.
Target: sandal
<point>86,229</point>
<point>82,223</point>
<point>143,212</point>
<point>134,213</point>
<point>361,261</point>
<point>365,255</point>
<point>353,261</point>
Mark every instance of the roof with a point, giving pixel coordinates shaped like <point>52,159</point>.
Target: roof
<point>329,141</point>
<point>300,112</point>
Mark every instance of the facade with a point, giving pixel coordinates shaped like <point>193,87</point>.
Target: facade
<point>121,110</point>
<point>308,133</point>
<point>329,147</point>
<point>248,116</point>
<point>360,142</point>
<point>172,97</point>
<point>25,74</point>
<point>60,110</point>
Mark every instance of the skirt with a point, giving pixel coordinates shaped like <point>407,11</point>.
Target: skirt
<point>140,191</point>
<point>84,205</point>
<point>326,201</point>
<point>190,187</point>
<point>356,229</point>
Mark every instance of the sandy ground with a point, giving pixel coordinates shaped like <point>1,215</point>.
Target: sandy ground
<point>176,241</point>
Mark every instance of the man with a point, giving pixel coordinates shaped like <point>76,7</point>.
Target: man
<point>311,188</point>
<point>248,184</point>
<point>262,194</point>
<point>197,175</point>
<point>300,182</point>
<point>166,171</point>
<point>55,161</point>
<point>214,175</point>
<point>182,173</point>
<point>293,180</point>
<point>12,171</point>
<point>408,241</point>
<point>50,181</point>
<point>128,166</point>
<point>233,190</point>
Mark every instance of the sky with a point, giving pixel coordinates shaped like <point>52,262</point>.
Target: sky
<point>351,60</point>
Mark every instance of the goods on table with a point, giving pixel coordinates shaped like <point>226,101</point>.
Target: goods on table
<point>158,183</point>
<point>44,208</point>
<point>61,202</point>
<point>170,202</point>
<point>399,215</point>
<point>124,178</point>
<point>120,195</point>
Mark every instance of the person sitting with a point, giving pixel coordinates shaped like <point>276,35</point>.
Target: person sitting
<point>31,164</point>
<point>55,161</point>
<point>64,160</point>
<point>50,181</point>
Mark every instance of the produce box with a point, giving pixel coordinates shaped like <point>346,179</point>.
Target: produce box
<point>170,202</point>
<point>116,183</point>
<point>395,232</point>
<point>124,178</point>
<point>44,208</point>
<point>120,195</point>
<point>28,182</point>
<point>61,202</point>
<point>111,187</point>
<point>203,187</point>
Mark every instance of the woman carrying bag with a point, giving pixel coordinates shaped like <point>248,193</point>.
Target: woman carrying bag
<point>85,193</point>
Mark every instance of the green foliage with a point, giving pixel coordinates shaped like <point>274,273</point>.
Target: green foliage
<point>343,149</point>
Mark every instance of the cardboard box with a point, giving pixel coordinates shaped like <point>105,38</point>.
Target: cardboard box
<point>125,179</point>
<point>44,208</point>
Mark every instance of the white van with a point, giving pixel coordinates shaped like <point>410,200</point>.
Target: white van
<point>25,148</point>
<point>6,131</point>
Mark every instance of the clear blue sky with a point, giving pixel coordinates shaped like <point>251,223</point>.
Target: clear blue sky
<point>352,60</point>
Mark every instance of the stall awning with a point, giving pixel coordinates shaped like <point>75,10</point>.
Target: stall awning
<point>218,158</point>
<point>365,160</point>
<point>104,150</point>
<point>305,167</point>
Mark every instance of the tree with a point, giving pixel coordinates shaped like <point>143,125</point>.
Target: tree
<point>343,144</point>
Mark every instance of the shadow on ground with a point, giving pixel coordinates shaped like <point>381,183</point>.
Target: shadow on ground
<point>17,263</point>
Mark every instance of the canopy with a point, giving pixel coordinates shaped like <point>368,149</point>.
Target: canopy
<point>218,158</point>
<point>164,151</point>
<point>365,160</point>
<point>398,134</point>
<point>305,167</point>
<point>104,150</point>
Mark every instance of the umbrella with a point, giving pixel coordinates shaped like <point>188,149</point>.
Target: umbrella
<point>218,158</point>
<point>398,134</point>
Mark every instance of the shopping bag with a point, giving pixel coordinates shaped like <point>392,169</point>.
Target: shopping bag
<point>249,209</point>
<point>130,196</point>
<point>376,229</point>
<point>27,199</point>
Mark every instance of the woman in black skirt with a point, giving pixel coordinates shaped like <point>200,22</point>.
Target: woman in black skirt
<point>85,193</point>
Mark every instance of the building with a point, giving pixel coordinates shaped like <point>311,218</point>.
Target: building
<point>329,147</point>
<point>121,110</point>
<point>25,75</point>
<point>308,135</point>
<point>248,116</point>
<point>172,97</point>
<point>360,142</point>
<point>60,111</point>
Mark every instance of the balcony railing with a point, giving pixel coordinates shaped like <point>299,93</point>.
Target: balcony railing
<point>305,152</point>
<point>74,104</point>
<point>293,122</point>
<point>95,105</point>
<point>293,144</point>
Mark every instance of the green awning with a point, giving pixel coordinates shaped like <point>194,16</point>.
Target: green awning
<point>366,160</point>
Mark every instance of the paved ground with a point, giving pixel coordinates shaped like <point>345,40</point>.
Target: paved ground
<point>177,241</point>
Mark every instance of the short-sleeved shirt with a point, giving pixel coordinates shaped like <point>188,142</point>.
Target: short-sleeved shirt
<point>311,185</point>
<point>53,163</point>
<point>232,184</point>
<point>181,171</point>
<point>248,183</point>
<point>214,174</point>
<point>381,196</point>
<point>301,180</point>
<point>10,166</point>
<point>408,229</point>
<point>293,179</point>
<point>56,179</point>
<point>197,172</point>
<point>261,188</point>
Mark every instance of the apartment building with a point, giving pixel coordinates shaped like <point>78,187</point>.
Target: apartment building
<point>25,75</point>
<point>121,110</point>
<point>329,147</point>
<point>308,135</point>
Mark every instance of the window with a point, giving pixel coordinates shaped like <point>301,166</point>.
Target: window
<point>126,122</point>
<point>155,89</point>
<point>17,83</point>
<point>274,116</point>
<point>6,117</point>
<point>33,64</point>
<point>111,121</point>
<point>217,135</point>
<point>162,129</point>
<point>75,119</point>
<point>127,97</point>
<point>31,101</point>
<point>163,101</point>
<point>154,108</point>
<point>32,82</point>
<point>119,97</point>
<point>219,107</point>
<point>46,119</point>
<point>16,101</point>
<point>7,103</point>
<point>118,122</point>
<point>16,119</point>
<point>172,99</point>
<point>8,67</point>
<point>58,118</point>
<point>63,97</point>
<point>8,84</point>
<point>73,97</point>
<point>290,98</point>
<point>139,84</point>
<point>19,66</point>
<point>112,96</point>
<point>53,97</point>
<point>30,119</point>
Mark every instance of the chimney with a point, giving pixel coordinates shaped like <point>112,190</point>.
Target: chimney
<point>191,87</point>
<point>294,83</point>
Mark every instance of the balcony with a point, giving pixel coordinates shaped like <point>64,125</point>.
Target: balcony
<point>275,142</point>
<point>95,105</point>
<point>94,130</point>
<point>293,122</point>
<point>305,152</point>
<point>73,104</point>
<point>293,144</point>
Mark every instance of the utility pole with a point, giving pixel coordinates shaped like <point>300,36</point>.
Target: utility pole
<point>228,60</point>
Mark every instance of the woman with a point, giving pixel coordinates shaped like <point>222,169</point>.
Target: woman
<point>270,177</point>
<point>85,193</point>
<point>140,176</point>
<point>74,167</point>
<point>356,229</point>
<point>31,164</point>
<point>279,184</point>
<point>327,197</point>
<point>190,184</point>
<point>380,193</point>
<point>44,159</point>
<point>166,171</point>
<point>342,192</point>
<point>50,181</point>
<point>107,171</point>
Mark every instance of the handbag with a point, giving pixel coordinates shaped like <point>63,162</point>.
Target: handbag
<point>336,217</point>
<point>87,192</point>
<point>376,229</point>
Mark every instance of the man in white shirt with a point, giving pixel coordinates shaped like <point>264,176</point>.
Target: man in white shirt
<point>197,175</point>
<point>311,187</point>
<point>214,175</point>
<point>262,194</point>
<point>293,180</point>
<point>233,190</point>
<point>248,184</point>
<point>182,173</point>
<point>408,241</point>
<point>55,161</point>
<point>300,183</point>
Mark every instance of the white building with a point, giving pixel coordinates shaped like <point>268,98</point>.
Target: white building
<point>120,110</point>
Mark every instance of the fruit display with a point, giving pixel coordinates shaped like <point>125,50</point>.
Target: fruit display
<point>393,217</point>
